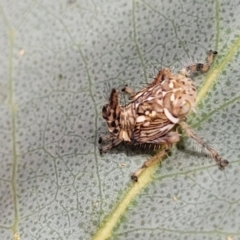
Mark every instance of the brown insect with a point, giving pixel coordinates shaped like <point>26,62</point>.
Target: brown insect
<point>154,113</point>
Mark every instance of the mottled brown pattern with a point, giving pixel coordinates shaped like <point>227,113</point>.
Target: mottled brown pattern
<point>152,114</point>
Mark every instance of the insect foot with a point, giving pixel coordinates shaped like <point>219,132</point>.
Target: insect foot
<point>153,114</point>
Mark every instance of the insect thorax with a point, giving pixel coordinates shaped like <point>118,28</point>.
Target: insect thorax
<point>152,112</point>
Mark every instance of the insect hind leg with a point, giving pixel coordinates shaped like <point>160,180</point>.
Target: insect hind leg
<point>200,67</point>
<point>222,163</point>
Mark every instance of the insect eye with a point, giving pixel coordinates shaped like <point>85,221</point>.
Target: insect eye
<point>113,124</point>
<point>115,131</point>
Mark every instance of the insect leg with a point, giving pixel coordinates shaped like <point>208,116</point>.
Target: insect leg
<point>222,163</point>
<point>105,138</point>
<point>162,75</point>
<point>112,142</point>
<point>200,67</point>
<point>147,163</point>
<point>129,91</point>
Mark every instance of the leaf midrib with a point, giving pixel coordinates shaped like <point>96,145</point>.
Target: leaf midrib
<point>105,231</point>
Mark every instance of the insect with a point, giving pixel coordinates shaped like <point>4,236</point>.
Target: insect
<point>154,113</point>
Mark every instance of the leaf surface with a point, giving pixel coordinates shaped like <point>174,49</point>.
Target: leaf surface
<point>59,60</point>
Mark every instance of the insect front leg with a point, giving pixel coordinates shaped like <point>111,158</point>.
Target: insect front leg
<point>222,163</point>
<point>111,142</point>
<point>129,91</point>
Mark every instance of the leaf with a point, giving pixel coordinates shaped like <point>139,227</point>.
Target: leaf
<point>59,60</point>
